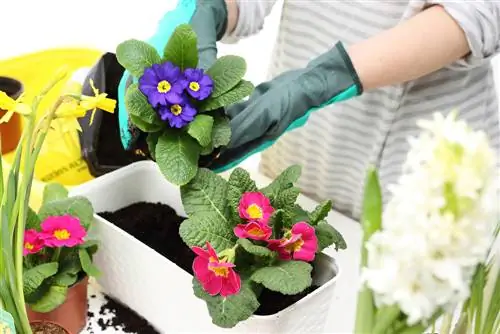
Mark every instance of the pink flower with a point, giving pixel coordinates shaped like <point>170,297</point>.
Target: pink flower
<point>215,276</point>
<point>256,207</point>
<point>63,231</point>
<point>33,242</point>
<point>253,230</point>
<point>300,244</point>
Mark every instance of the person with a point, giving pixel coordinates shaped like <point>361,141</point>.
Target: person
<point>385,64</point>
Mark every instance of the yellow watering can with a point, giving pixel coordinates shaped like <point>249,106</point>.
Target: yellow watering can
<point>60,159</point>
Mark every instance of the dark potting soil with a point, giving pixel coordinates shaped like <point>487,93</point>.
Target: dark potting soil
<point>109,150</point>
<point>47,328</point>
<point>162,234</point>
<point>122,318</point>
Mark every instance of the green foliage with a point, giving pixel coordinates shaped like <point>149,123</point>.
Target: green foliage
<point>254,249</point>
<point>152,140</point>
<point>320,212</point>
<point>34,277</point>
<point>135,56</point>
<point>140,111</point>
<point>286,277</point>
<point>226,72</point>
<point>55,296</point>
<point>284,181</point>
<point>53,192</point>
<point>201,129</point>
<point>181,48</point>
<point>327,235</point>
<point>236,94</point>
<point>198,228</point>
<point>77,206</point>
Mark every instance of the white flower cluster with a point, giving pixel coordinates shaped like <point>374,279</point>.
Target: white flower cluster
<point>439,223</point>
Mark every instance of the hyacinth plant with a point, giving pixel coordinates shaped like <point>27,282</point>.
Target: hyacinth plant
<point>246,239</point>
<point>15,188</point>
<point>430,250</point>
<point>56,252</point>
<point>178,105</point>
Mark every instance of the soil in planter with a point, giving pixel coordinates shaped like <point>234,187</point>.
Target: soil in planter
<point>47,328</point>
<point>157,225</point>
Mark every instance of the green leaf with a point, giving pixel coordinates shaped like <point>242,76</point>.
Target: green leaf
<point>286,199</point>
<point>34,277</point>
<point>55,297</point>
<point>152,140</point>
<point>228,312</point>
<point>238,93</point>
<point>205,194</point>
<point>77,206</point>
<point>92,246</point>
<point>327,235</point>
<point>320,212</point>
<point>181,48</point>
<point>226,73</point>
<point>286,277</point>
<point>136,55</point>
<point>201,129</point>
<point>32,220</point>
<point>221,132</point>
<point>255,249</point>
<point>177,157</point>
<point>140,111</point>
<point>241,179</point>
<point>295,215</point>
<point>207,150</point>
<point>207,226</point>
<point>276,221</point>
<point>53,192</point>
<point>284,181</point>
<point>371,217</point>
<point>86,262</point>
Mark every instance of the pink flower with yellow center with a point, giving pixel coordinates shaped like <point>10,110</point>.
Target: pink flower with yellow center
<point>253,230</point>
<point>255,207</point>
<point>300,243</point>
<point>63,231</point>
<point>33,242</point>
<point>216,276</point>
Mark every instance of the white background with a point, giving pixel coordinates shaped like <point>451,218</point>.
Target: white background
<point>31,25</point>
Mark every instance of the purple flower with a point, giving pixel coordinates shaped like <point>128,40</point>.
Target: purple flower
<point>199,85</point>
<point>163,84</point>
<point>178,115</point>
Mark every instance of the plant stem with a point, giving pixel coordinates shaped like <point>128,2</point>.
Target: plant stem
<point>446,325</point>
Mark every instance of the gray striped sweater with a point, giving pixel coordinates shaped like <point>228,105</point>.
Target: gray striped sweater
<point>341,141</point>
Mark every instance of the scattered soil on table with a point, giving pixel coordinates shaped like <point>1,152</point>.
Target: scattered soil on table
<point>109,150</point>
<point>162,235</point>
<point>47,328</point>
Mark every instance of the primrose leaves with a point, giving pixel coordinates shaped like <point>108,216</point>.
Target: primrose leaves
<point>77,206</point>
<point>327,235</point>
<point>226,73</point>
<point>34,277</point>
<point>202,227</point>
<point>136,56</point>
<point>181,48</point>
<point>53,192</point>
<point>236,94</point>
<point>286,277</point>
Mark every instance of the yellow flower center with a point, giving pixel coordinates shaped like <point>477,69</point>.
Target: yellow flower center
<point>256,232</point>
<point>164,86</point>
<point>194,86</point>
<point>295,247</point>
<point>29,246</point>
<point>218,271</point>
<point>254,211</point>
<point>176,109</point>
<point>62,234</point>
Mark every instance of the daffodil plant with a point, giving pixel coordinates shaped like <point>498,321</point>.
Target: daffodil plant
<point>246,239</point>
<point>179,105</point>
<point>15,189</point>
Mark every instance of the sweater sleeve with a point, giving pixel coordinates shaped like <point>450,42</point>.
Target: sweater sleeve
<point>251,16</point>
<point>480,20</point>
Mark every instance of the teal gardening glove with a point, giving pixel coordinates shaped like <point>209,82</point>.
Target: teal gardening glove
<point>208,18</point>
<point>285,103</point>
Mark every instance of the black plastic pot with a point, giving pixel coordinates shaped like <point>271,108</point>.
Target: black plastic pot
<point>100,142</point>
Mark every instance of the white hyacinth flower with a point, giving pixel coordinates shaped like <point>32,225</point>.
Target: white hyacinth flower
<point>439,223</point>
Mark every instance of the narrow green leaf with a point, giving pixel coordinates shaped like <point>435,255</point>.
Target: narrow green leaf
<point>226,73</point>
<point>221,132</point>
<point>54,298</point>
<point>34,277</point>
<point>78,206</point>
<point>140,111</point>
<point>32,220</point>
<point>237,94</point>
<point>254,249</point>
<point>201,129</point>
<point>207,226</point>
<point>181,48</point>
<point>136,56</point>
<point>229,311</point>
<point>320,212</point>
<point>386,316</point>
<point>53,192</point>
<point>86,262</point>
<point>177,157</point>
<point>286,277</point>
<point>276,221</point>
<point>327,235</point>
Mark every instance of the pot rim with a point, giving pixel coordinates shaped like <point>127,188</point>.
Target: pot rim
<point>12,87</point>
<point>51,322</point>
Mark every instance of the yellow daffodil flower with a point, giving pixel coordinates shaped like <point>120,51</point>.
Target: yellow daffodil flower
<point>99,100</point>
<point>12,106</point>
<point>70,109</point>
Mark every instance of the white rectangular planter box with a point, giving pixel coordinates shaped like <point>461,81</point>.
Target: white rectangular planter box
<point>160,291</point>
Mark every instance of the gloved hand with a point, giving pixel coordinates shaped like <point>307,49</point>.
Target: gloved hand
<point>285,103</point>
<point>208,19</point>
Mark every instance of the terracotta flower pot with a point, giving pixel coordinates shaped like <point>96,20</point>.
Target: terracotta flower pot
<point>72,314</point>
<point>35,323</point>
<point>10,132</point>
